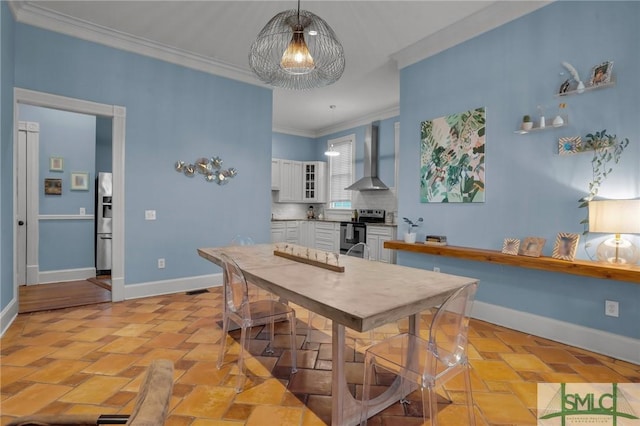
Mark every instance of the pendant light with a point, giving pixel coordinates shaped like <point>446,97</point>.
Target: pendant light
<point>331,152</point>
<point>297,50</point>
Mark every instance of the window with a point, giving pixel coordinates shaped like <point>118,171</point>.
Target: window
<point>341,172</point>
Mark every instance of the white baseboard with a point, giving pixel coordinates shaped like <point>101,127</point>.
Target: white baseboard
<point>602,342</point>
<point>8,315</point>
<point>48,277</point>
<point>179,285</point>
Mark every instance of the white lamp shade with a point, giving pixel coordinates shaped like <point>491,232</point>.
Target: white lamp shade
<point>614,216</point>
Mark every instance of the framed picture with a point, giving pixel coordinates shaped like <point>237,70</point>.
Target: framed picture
<point>79,181</point>
<point>570,145</point>
<point>565,246</point>
<point>532,246</point>
<point>56,164</point>
<point>53,186</point>
<point>511,246</point>
<point>601,74</point>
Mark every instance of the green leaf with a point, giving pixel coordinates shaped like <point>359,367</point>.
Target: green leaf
<point>582,205</point>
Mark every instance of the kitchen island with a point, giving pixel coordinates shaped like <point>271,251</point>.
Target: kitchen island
<point>366,295</point>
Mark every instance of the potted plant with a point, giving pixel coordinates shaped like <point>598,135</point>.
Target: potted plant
<point>410,236</point>
<point>606,148</point>
<point>527,124</point>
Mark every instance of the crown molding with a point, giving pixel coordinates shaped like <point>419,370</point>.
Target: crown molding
<point>487,19</point>
<point>384,114</point>
<point>37,16</point>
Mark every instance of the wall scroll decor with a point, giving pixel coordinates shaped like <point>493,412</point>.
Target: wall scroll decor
<point>210,168</point>
<point>511,246</point>
<point>452,166</point>
<point>566,246</point>
<point>532,246</point>
<point>53,186</point>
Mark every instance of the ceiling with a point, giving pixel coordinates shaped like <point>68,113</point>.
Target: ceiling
<point>378,37</point>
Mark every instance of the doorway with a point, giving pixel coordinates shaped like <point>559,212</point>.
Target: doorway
<point>117,115</point>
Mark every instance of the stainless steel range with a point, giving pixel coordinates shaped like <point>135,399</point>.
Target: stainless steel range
<point>352,233</point>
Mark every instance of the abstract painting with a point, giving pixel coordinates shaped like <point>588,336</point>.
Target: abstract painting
<point>452,158</point>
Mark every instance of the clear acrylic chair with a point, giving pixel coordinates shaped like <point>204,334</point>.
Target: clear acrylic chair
<point>360,250</point>
<point>427,363</point>
<point>246,314</point>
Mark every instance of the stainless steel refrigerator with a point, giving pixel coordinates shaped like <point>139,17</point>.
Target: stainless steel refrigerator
<point>103,224</point>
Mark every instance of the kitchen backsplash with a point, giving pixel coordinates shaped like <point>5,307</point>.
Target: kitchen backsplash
<point>386,200</point>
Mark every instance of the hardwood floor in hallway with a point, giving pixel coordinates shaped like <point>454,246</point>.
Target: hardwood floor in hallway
<point>90,359</point>
<point>44,297</point>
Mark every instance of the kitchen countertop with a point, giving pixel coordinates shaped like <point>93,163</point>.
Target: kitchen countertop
<point>330,221</point>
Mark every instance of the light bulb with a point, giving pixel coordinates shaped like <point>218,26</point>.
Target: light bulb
<point>297,59</point>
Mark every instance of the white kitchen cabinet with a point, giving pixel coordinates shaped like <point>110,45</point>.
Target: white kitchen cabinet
<point>328,236</point>
<point>314,181</point>
<point>293,229</point>
<point>275,173</point>
<point>278,232</point>
<point>290,181</point>
<point>376,236</point>
<point>299,182</point>
<point>306,233</point>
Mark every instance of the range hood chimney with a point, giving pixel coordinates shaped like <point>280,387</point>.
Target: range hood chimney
<point>370,180</point>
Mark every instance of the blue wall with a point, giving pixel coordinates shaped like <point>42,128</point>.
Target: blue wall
<point>6,154</point>
<point>65,244</point>
<point>173,113</point>
<point>386,149</point>
<point>531,190</point>
<point>293,147</point>
<point>104,150</point>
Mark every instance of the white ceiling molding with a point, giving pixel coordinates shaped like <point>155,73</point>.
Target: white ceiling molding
<point>32,14</point>
<point>472,26</point>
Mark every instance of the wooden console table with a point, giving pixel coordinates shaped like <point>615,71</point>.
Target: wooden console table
<point>576,267</point>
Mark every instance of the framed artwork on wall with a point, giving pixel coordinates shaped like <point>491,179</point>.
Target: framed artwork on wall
<point>53,186</point>
<point>532,246</point>
<point>79,181</point>
<point>452,160</point>
<point>56,164</point>
<point>601,74</point>
<point>569,145</point>
<point>511,246</point>
<point>566,246</point>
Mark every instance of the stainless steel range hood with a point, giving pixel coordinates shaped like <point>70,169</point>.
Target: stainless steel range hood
<point>370,180</point>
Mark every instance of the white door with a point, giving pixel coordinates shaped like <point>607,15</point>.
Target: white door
<point>26,221</point>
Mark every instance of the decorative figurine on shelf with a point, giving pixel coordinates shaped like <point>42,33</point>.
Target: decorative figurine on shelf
<point>542,123</point>
<point>410,236</point>
<point>337,256</point>
<point>558,121</point>
<point>575,76</point>
<point>527,124</point>
<point>310,213</point>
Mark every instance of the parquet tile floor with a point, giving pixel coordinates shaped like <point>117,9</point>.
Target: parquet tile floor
<point>90,359</point>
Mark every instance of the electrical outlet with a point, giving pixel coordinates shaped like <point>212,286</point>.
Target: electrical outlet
<point>149,215</point>
<point>611,308</point>
<point>161,263</point>
<point>83,211</point>
<point>436,269</point>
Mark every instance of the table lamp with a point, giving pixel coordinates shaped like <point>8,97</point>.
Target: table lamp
<point>616,217</point>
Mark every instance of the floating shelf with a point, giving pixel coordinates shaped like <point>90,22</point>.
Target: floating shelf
<point>587,89</point>
<point>549,126</point>
<point>576,267</point>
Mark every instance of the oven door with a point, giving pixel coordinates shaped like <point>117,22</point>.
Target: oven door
<point>351,234</point>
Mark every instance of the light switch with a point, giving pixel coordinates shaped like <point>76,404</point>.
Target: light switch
<point>149,215</point>
<point>83,211</point>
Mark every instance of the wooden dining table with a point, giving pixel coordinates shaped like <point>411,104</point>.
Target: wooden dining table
<point>366,295</point>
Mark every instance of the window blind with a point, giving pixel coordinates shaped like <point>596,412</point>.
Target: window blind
<point>341,173</point>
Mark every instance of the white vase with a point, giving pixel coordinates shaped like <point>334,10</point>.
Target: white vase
<point>558,121</point>
<point>410,237</point>
<point>580,87</point>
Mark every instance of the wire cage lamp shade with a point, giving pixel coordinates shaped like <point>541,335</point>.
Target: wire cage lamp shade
<point>297,50</point>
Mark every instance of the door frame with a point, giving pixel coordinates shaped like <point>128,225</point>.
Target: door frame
<point>118,117</point>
